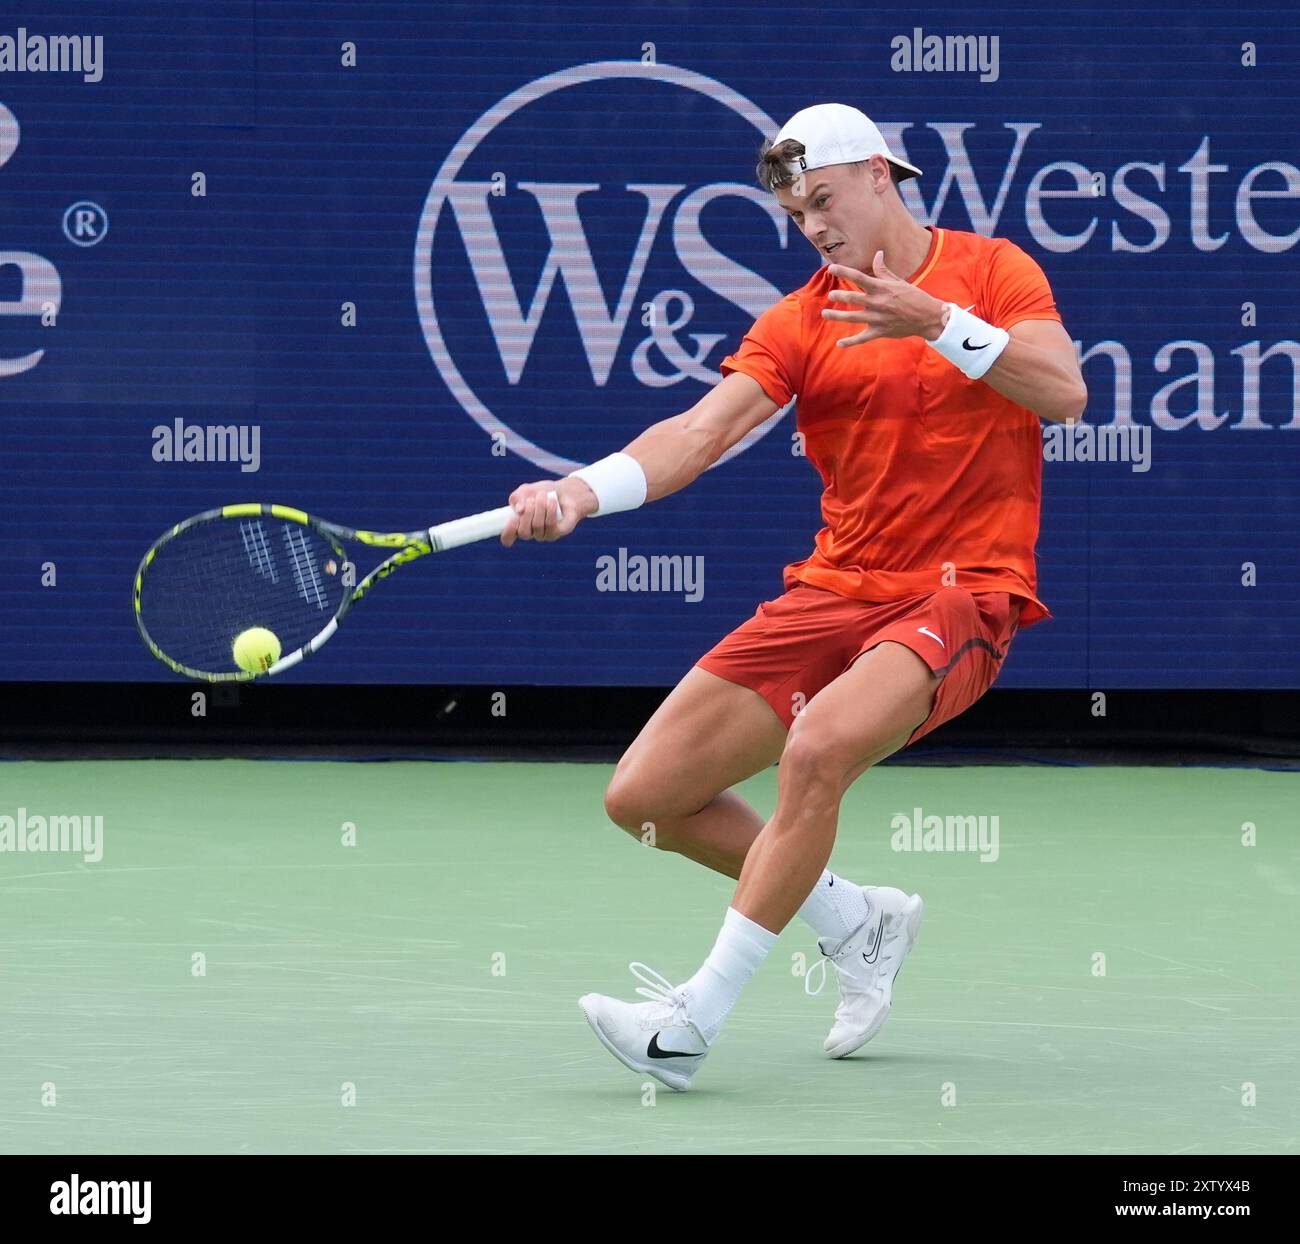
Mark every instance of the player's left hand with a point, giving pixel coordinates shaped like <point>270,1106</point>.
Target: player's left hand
<point>887,304</point>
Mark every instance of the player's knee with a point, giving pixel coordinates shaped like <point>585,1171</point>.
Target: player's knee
<point>633,808</point>
<point>627,804</point>
<point>816,754</point>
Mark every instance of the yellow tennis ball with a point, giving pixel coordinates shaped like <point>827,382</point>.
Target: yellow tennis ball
<point>256,649</point>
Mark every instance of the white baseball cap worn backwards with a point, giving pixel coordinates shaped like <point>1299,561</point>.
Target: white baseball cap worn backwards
<point>837,134</point>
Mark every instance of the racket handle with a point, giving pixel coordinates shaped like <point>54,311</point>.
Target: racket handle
<point>469,529</point>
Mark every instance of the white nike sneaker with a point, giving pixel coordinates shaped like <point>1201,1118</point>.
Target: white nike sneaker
<point>866,964</point>
<point>657,1038</point>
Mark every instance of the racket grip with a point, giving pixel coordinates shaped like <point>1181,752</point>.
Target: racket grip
<point>467,530</point>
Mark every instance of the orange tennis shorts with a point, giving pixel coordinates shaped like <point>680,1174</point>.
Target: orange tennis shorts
<point>795,645</point>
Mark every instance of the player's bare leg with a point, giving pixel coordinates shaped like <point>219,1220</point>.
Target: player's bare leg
<point>672,787</point>
<point>873,706</point>
<point>672,790</point>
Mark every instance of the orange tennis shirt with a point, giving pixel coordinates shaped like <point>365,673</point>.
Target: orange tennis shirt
<point>930,478</point>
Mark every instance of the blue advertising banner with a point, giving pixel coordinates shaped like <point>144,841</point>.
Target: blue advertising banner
<point>384,262</point>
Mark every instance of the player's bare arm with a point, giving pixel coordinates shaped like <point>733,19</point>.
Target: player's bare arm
<point>1038,369</point>
<point>671,453</point>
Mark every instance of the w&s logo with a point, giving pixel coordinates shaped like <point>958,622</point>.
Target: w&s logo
<point>577,276</point>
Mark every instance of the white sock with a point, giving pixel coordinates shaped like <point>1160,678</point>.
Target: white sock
<point>836,907</point>
<point>712,992</point>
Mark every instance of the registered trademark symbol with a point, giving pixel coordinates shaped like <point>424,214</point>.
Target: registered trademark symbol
<point>85,223</point>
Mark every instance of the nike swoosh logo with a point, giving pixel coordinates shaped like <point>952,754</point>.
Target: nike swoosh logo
<point>655,1052</point>
<point>924,630</point>
<point>966,345</point>
<point>875,953</point>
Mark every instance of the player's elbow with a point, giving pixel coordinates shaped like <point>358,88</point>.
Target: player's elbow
<point>1072,409</point>
<point>1080,407</point>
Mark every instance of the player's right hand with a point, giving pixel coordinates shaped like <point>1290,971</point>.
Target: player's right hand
<point>538,507</point>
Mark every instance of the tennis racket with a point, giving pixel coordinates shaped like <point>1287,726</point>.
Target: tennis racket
<point>224,571</point>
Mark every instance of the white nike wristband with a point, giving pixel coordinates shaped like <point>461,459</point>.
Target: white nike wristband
<point>970,344</point>
<point>618,482</point>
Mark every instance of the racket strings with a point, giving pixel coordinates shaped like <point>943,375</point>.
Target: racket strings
<point>219,578</point>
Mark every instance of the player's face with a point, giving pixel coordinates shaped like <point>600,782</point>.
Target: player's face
<point>837,211</point>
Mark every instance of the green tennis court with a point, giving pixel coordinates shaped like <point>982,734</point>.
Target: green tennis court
<point>435,966</point>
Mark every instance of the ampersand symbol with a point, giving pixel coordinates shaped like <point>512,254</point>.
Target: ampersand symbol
<point>663,326</point>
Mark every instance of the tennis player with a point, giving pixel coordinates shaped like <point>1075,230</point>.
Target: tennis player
<point>923,359</point>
